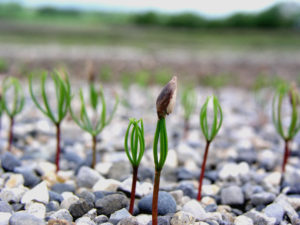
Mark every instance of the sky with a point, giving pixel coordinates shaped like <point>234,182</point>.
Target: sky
<point>209,8</point>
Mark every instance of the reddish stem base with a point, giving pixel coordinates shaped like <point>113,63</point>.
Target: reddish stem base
<point>285,159</point>
<point>202,171</point>
<point>155,197</point>
<point>11,133</point>
<point>94,160</point>
<point>57,146</point>
<point>133,187</point>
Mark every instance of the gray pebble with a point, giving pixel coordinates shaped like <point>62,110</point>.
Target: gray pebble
<point>87,177</point>
<point>275,210</point>
<point>22,218</point>
<point>232,196</point>
<point>79,208</point>
<point>262,198</point>
<point>166,203</point>
<point>111,203</point>
<point>9,162</point>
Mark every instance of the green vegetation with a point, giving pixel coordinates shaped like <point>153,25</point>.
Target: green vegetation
<point>94,125</point>
<point>12,105</point>
<point>189,102</point>
<point>137,142</point>
<point>63,99</point>
<point>209,134</point>
<point>3,65</point>
<point>288,134</point>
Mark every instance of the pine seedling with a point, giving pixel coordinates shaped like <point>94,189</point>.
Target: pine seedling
<point>93,125</point>
<point>137,148</point>
<point>164,106</point>
<point>209,133</point>
<point>14,105</point>
<point>188,101</point>
<point>294,126</point>
<point>1,108</point>
<point>63,98</point>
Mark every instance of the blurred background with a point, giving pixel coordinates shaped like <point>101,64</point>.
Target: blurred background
<point>212,43</point>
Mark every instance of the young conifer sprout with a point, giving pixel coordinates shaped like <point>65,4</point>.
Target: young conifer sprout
<point>137,147</point>
<point>1,109</point>
<point>94,124</point>
<point>164,105</point>
<point>209,132</point>
<point>12,105</point>
<point>288,134</point>
<point>188,101</point>
<point>63,97</point>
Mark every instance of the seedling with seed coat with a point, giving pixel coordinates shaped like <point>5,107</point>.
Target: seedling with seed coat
<point>12,106</point>
<point>164,106</point>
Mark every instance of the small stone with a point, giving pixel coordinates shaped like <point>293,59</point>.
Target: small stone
<point>69,200</point>
<point>272,179</point>
<point>161,220</point>
<point>210,189</point>
<point>111,203</point>
<point>188,189</point>
<point>143,218</point>
<point>232,196</point>
<point>275,210</point>
<point>79,208</point>
<point>243,220</point>
<point>234,171</point>
<point>89,197</point>
<point>87,177</point>
<point>52,206</point>
<point>119,170</point>
<point>166,203</point>
<point>4,218</point>
<point>55,196</point>
<point>12,195</point>
<point>59,222</point>
<point>62,214</point>
<point>119,215</point>
<point>9,162</point>
<point>172,159</point>
<point>5,207</point>
<point>262,198</point>
<point>177,195</point>
<point>30,177</point>
<point>39,193</point>
<point>208,200</point>
<point>100,219</point>
<point>260,218</point>
<point>84,221</point>
<point>63,187</point>
<point>184,174</point>
<point>195,209</point>
<point>23,218</point>
<point>36,209</point>
<point>107,185</point>
<point>182,218</point>
<point>129,221</point>
<point>15,180</point>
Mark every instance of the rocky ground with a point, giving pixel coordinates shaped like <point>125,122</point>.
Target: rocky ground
<point>241,183</point>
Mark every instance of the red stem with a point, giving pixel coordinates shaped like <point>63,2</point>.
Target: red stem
<point>155,197</point>
<point>10,139</point>
<point>286,156</point>
<point>94,151</point>
<point>57,146</point>
<point>202,170</point>
<point>133,187</point>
